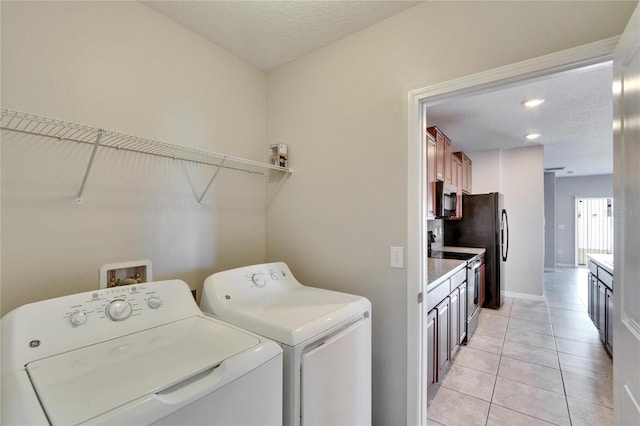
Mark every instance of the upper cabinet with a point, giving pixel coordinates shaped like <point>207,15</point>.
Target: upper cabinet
<point>465,181</point>
<point>443,165</point>
<point>431,175</point>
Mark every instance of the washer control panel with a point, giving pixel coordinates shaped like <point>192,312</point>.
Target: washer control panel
<point>115,304</point>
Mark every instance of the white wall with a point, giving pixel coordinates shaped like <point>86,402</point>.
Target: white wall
<point>549,221</point>
<point>567,189</point>
<point>343,112</point>
<point>518,174</point>
<point>121,66</point>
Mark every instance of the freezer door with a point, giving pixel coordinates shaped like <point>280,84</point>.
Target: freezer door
<point>336,379</point>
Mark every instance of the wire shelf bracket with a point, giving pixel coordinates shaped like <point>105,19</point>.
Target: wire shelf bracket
<point>32,124</point>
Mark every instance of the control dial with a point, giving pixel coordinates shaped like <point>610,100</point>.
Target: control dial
<point>274,276</point>
<point>154,302</point>
<point>118,310</point>
<point>259,279</point>
<point>78,318</point>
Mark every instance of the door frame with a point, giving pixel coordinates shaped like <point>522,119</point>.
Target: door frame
<point>566,61</point>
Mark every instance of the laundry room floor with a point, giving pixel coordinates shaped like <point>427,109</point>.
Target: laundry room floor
<point>530,363</point>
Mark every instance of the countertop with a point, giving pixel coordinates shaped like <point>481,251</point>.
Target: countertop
<point>468,250</point>
<point>439,268</point>
<point>603,260</point>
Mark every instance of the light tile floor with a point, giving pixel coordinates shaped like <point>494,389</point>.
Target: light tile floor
<point>530,363</point>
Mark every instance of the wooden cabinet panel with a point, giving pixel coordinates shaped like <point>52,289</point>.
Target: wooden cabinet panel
<point>592,297</point>
<point>465,180</point>
<point>443,336</point>
<point>602,303</point>
<point>431,176</point>
<point>454,318</point>
<point>439,137</point>
<point>609,320</point>
<point>448,170</point>
<point>431,348</point>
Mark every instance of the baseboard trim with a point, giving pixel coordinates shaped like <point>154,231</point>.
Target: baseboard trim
<point>524,296</point>
<point>549,269</point>
<point>566,265</point>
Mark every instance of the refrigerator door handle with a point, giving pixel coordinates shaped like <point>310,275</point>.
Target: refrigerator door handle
<point>504,244</point>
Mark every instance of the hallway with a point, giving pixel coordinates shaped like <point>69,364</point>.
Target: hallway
<point>531,363</point>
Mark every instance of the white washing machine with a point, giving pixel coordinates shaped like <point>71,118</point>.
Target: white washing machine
<point>140,354</point>
<point>325,335</point>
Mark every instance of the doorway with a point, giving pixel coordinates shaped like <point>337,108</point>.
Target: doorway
<point>561,62</point>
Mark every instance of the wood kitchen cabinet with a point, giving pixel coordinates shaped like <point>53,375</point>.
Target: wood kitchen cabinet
<point>448,169</point>
<point>465,180</point>
<point>600,302</point>
<point>431,176</point>
<point>454,326</point>
<point>481,283</point>
<point>456,180</point>
<point>431,348</point>
<point>463,311</point>
<point>444,355</point>
<point>443,154</point>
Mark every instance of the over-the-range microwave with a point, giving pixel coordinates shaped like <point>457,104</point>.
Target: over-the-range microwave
<point>446,200</point>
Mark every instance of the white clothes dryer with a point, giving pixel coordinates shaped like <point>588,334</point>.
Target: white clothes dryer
<point>139,354</point>
<point>325,335</point>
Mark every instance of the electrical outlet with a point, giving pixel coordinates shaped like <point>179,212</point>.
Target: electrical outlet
<point>397,257</point>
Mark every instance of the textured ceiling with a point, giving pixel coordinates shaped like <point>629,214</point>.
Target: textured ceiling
<point>575,120</point>
<point>268,34</point>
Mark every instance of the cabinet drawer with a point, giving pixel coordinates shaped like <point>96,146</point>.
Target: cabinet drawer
<point>605,277</point>
<point>438,293</point>
<point>458,278</point>
<point>593,268</point>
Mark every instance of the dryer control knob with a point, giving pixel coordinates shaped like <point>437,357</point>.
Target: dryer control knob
<point>259,279</point>
<point>78,318</point>
<point>154,302</point>
<point>274,276</point>
<point>118,310</point>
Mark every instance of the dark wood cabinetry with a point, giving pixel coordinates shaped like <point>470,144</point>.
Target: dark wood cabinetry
<point>465,179</point>
<point>600,302</point>
<point>431,176</point>
<point>446,324</point>
<point>445,166</point>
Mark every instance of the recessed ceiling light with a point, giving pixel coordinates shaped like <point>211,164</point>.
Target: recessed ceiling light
<point>530,103</point>
<point>532,136</point>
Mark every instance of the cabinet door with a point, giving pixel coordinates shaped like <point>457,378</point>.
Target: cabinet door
<point>609,320</point>
<point>463,311</point>
<point>431,176</point>
<point>439,155</point>
<point>594,300</point>
<point>602,303</point>
<point>448,170</point>
<point>443,336</point>
<point>590,296</point>
<point>431,348</point>
<point>454,316</point>
<point>466,165</point>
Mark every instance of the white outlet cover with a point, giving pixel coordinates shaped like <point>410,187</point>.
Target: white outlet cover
<point>397,257</point>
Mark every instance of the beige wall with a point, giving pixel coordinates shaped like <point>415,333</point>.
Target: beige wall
<point>342,111</point>
<point>121,66</point>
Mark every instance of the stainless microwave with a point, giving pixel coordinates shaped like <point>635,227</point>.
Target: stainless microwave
<point>446,200</point>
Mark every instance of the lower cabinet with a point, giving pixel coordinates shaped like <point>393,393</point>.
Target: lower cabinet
<point>446,329</point>
<point>600,304</point>
<point>609,321</point>
<point>454,328</point>
<point>431,345</point>
<point>444,356</point>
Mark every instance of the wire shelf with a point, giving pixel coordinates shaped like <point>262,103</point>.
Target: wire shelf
<point>63,130</point>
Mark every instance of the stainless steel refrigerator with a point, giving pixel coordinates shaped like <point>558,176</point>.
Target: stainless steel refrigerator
<point>484,224</point>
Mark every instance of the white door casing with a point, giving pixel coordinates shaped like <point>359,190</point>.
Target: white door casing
<point>570,60</point>
<point>626,188</point>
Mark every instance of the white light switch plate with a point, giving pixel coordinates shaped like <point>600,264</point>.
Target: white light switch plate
<point>397,257</point>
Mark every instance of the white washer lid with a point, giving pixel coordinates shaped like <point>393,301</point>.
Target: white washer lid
<point>295,315</point>
<point>76,386</point>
